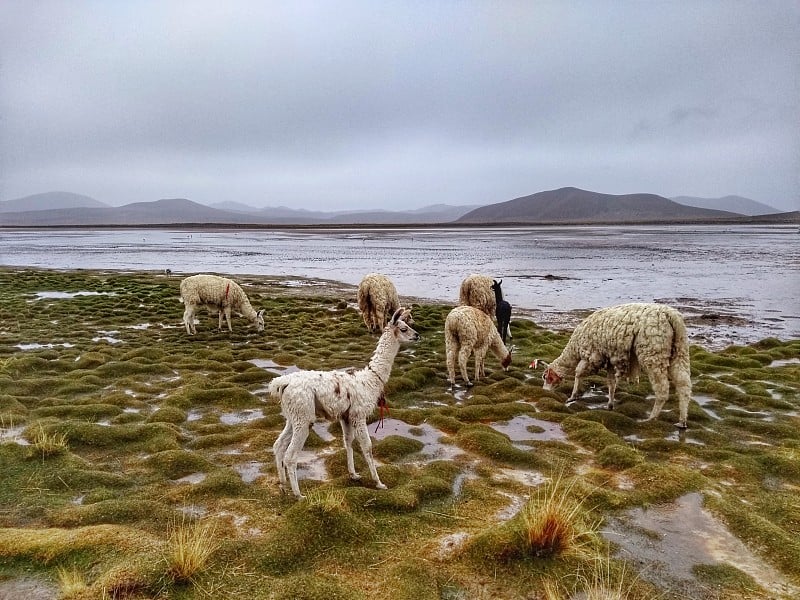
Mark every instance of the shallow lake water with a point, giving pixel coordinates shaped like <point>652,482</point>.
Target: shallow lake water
<point>735,284</point>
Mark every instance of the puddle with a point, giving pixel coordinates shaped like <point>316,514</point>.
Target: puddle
<point>249,471</point>
<point>273,367</point>
<point>140,326</point>
<point>758,414</point>
<point>68,295</point>
<point>311,465</point>
<point>244,416</point>
<point>35,346</point>
<point>679,435</point>
<point>432,448</point>
<point>322,429</point>
<point>14,435</point>
<point>106,338</point>
<point>516,502</point>
<point>460,393</point>
<point>28,588</point>
<point>783,362</point>
<point>194,511</point>
<point>193,478</point>
<point>667,541</point>
<point>451,543</point>
<point>517,430</point>
<point>528,478</point>
<point>702,401</point>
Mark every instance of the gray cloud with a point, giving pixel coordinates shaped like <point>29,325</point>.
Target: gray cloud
<point>362,104</point>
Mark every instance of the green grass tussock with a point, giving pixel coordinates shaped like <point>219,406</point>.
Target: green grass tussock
<point>143,469</point>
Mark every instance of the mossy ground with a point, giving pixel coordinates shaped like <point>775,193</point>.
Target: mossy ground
<point>157,424</point>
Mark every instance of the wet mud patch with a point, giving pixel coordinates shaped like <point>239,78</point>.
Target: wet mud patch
<point>524,428</point>
<point>668,543</point>
<point>432,448</point>
<point>28,588</point>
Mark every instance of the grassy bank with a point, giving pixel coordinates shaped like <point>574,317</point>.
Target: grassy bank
<point>136,460</point>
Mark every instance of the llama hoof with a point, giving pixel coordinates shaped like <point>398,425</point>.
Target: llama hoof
<point>355,477</point>
<point>469,384</point>
<point>681,425</point>
<point>380,486</point>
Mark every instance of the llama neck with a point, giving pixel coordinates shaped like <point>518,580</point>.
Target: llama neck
<point>383,357</point>
<point>497,346</point>
<point>248,312</point>
<point>567,361</point>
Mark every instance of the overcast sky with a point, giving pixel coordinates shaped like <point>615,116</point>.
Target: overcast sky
<point>384,104</point>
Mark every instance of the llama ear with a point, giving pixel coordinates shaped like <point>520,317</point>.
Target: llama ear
<point>538,361</point>
<point>406,316</point>
<point>396,316</point>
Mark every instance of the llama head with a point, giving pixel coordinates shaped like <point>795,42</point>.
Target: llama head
<point>399,324</point>
<point>496,285</point>
<point>260,320</point>
<point>506,362</point>
<point>550,378</point>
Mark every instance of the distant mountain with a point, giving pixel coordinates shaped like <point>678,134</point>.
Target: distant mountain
<point>737,204</point>
<point>161,212</point>
<point>567,205</point>
<point>573,205</point>
<point>436,213</point>
<point>49,201</point>
<point>234,206</point>
<point>182,211</point>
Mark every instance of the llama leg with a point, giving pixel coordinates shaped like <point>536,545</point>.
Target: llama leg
<point>228,317</point>
<point>463,357</point>
<point>680,378</point>
<point>580,371</point>
<point>220,314</point>
<point>279,450</point>
<point>480,362</point>
<point>451,366</point>
<point>613,379</point>
<point>299,436</point>
<point>347,437</point>
<point>362,434</point>
<point>660,384</point>
<point>188,319</point>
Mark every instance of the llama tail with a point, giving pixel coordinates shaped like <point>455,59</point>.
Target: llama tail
<point>680,337</point>
<point>276,387</point>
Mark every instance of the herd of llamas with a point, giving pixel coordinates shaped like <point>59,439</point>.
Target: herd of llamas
<point>622,340</point>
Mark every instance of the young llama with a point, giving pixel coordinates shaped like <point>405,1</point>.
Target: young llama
<point>347,396</point>
<point>502,311</point>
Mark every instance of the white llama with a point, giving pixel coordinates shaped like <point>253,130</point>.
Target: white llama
<point>349,396</point>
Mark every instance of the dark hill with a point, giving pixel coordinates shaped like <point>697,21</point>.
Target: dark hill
<point>573,205</point>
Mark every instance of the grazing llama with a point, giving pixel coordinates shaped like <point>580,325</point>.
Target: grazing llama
<point>217,293</point>
<point>349,397</point>
<point>622,340</point>
<point>469,330</point>
<point>476,290</point>
<point>377,300</point>
<point>502,312</point>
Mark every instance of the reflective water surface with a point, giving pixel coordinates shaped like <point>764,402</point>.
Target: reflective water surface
<point>739,282</point>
